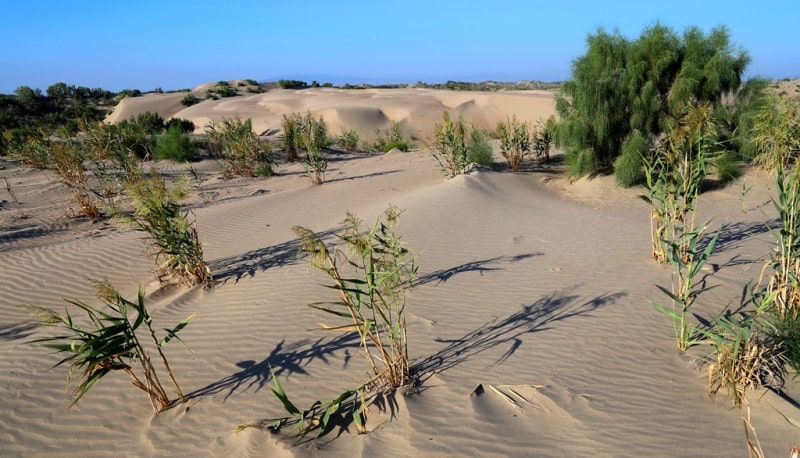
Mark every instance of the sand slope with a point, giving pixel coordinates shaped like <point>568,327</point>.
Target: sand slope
<point>530,286</point>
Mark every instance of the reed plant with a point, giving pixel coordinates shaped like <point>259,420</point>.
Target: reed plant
<point>316,164</point>
<point>115,340</point>
<point>349,140</point>
<point>744,360</point>
<point>687,261</point>
<point>171,229</point>
<point>450,145</point>
<point>542,139</point>
<point>674,177</point>
<point>243,153</point>
<point>371,300</point>
<point>69,162</point>
<point>515,141</point>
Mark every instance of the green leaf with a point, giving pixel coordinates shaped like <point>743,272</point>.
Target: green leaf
<point>278,390</point>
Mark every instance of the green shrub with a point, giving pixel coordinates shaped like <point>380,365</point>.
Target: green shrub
<point>392,137</point>
<point>628,165</point>
<point>176,146</point>
<point>450,146</point>
<point>349,140</point>
<point>301,132</point>
<point>515,141</point>
<point>292,84</point>
<point>186,126</point>
<point>479,150</point>
<point>234,141</point>
<point>113,345</point>
<point>579,162</point>
<point>189,100</point>
<point>28,146</point>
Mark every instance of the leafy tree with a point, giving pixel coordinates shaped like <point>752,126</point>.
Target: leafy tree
<point>624,92</point>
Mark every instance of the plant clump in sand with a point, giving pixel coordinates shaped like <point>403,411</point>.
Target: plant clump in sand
<point>371,272</point>
<point>114,341</point>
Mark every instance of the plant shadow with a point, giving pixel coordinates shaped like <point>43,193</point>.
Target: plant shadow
<point>536,317</point>
<point>283,359</point>
<point>17,331</point>
<point>259,260</point>
<point>442,276</point>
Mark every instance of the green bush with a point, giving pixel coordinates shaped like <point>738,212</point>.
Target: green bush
<point>515,141</point>
<point>176,146</point>
<point>349,140</point>
<point>189,100</point>
<point>479,150</point>
<point>450,146</point>
<point>292,84</point>
<point>185,125</point>
<point>579,162</point>
<point>234,141</point>
<point>393,137</point>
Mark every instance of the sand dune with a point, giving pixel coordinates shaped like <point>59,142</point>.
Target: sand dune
<point>531,287</point>
<point>363,110</point>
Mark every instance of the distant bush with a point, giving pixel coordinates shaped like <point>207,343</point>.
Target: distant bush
<point>300,133</point>
<point>189,100</point>
<point>393,137</point>
<point>292,84</point>
<point>252,82</point>
<point>151,123</point>
<point>176,146</point>
<point>185,125</point>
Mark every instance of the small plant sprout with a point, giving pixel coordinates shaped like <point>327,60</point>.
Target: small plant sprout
<point>114,341</point>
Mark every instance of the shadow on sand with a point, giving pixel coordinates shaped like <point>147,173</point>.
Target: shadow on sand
<point>509,331</point>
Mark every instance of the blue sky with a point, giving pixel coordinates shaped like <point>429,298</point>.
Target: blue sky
<point>174,44</point>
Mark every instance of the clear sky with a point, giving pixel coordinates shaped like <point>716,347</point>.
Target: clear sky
<point>174,44</point>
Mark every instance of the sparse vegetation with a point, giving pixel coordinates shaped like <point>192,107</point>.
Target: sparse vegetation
<point>68,160</point>
<point>171,229</point>
<point>515,141</point>
<point>391,138</point>
<point>176,146</point>
<point>113,345</point>
<point>349,140</point>
<point>244,154</point>
<point>372,300</point>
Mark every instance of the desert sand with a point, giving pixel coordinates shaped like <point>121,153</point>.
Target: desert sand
<point>529,282</point>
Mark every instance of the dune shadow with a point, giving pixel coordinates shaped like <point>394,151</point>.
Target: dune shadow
<point>482,266</point>
<point>282,360</point>
<point>259,260</point>
<point>509,331</point>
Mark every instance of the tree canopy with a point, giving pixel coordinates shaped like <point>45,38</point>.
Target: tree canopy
<point>623,93</point>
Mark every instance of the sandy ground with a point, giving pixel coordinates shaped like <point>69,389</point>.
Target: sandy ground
<point>529,283</point>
